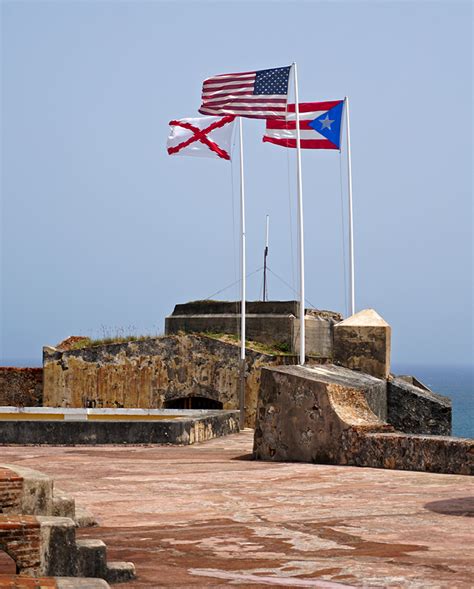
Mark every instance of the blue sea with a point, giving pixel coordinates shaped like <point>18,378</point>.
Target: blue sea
<point>455,382</point>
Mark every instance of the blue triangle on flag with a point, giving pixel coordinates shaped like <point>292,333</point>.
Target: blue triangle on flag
<point>329,124</point>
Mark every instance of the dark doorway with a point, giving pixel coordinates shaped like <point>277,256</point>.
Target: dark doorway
<point>193,403</point>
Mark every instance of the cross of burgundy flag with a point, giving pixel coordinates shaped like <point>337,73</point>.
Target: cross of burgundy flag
<point>202,137</point>
<point>320,126</point>
<point>256,95</point>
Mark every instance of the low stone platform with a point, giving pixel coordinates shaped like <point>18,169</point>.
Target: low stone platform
<point>20,582</point>
<point>208,516</point>
<point>46,425</point>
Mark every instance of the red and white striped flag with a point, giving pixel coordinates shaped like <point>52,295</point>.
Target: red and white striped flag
<point>258,95</point>
<point>320,126</point>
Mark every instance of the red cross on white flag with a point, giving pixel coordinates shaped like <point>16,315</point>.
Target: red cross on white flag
<point>203,137</point>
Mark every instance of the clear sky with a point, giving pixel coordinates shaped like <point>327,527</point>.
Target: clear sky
<point>103,232</point>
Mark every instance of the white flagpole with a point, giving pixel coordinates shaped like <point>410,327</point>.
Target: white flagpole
<point>300,218</point>
<point>351,225</point>
<point>243,284</point>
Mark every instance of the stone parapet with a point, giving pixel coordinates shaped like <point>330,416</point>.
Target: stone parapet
<point>323,415</point>
<point>396,450</point>
<point>416,410</point>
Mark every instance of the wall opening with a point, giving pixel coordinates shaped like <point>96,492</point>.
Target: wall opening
<point>193,403</point>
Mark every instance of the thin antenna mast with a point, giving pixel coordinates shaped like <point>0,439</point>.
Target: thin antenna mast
<point>265,254</point>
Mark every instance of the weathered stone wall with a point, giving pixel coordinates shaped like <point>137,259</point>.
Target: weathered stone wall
<point>21,387</point>
<point>150,372</point>
<point>414,410</point>
<point>319,415</point>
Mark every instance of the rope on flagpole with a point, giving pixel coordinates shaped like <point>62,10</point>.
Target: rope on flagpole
<point>290,287</point>
<point>259,269</point>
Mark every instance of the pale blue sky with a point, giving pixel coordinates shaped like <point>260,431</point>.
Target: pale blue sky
<point>102,229</point>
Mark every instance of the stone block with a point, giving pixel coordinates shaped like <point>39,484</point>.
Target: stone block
<point>362,342</point>
<point>324,415</point>
<point>303,411</point>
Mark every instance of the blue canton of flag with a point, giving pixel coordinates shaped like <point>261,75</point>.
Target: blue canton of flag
<point>273,81</point>
<point>329,124</point>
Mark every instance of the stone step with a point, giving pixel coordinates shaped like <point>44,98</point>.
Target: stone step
<point>91,558</point>
<point>29,492</point>
<point>84,519</point>
<point>120,572</point>
<point>47,545</point>
<point>63,505</point>
<point>58,546</point>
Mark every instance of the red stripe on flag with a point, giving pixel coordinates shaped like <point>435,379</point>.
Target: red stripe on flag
<point>229,88</point>
<point>225,93</point>
<point>236,101</point>
<point>305,143</point>
<point>289,125</point>
<point>230,74</point>
<point>236,111</point>
<point>310,106</point>
<point>223,82</point>
<point>258,107</point>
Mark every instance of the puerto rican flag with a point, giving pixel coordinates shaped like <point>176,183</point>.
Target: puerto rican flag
<point>320,126</point>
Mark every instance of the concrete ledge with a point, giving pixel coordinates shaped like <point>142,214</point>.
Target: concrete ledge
<point>205,425</point>
<point>442,454</point>
<point>21,582</point>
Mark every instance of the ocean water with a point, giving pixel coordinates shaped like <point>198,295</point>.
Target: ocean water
<point>455,382</point>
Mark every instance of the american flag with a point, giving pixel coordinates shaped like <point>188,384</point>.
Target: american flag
<point>257,95</point>
<point>320,126</point>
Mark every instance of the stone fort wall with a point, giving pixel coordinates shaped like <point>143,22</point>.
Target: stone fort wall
<point>152,372</point>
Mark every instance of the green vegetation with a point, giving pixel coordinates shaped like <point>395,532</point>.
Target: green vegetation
<point>89,342</point>
<point>276,349</point>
